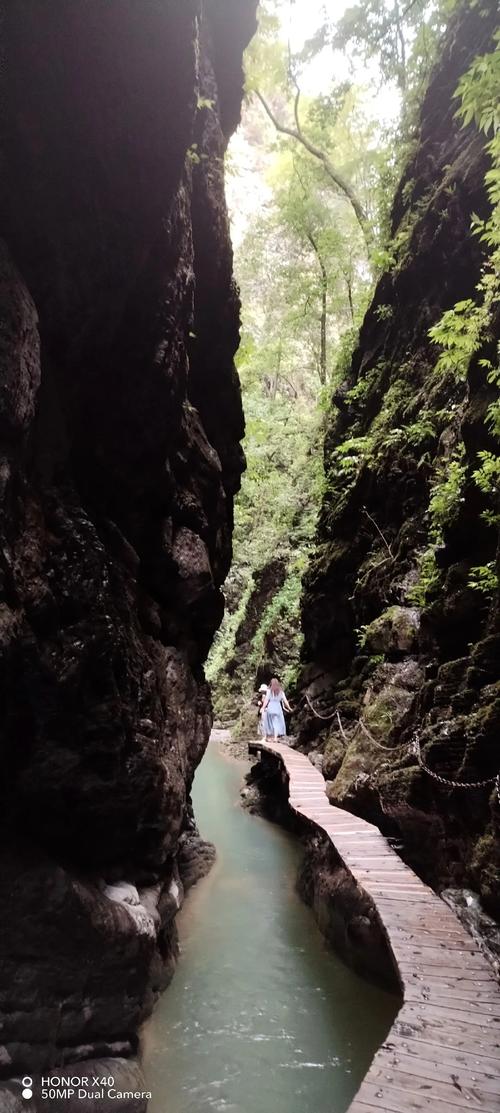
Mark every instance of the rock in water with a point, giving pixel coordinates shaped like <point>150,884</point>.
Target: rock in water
<point>120,429</point>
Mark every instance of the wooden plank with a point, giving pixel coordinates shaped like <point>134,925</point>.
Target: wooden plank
<point>310,792</point>
<point>454,989</point>
<point>469,1093</point>
<point>362,1107</point>
<point>454,1056</point>
<point>382,868</point>
<point>338,825</point>
<point>490,1008</point>
<point>457,1035</point>
<point>403,1098</point>
<point>433,955</point>
<point>489,1024</point>
<point>403,921</point>
<point>443,1052</point>
<point>456,941</point>
<point>435,1068</point>
<point>355,847</point>
<point>391,880</point>
<point>421,962</point>
<point>409,970</point>
<point>394,895</point>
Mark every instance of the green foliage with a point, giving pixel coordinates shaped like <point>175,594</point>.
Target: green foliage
<point>363,386</point>
<point>204,102</point>
<point>462,330</point>
<point>282,616</point>
<point>429,577</point>
<point>361,634</point>
<point>446,494</point>
<point>423,429</point>
<point>349,455</point>
<point>224,639</point>
<point>444,504</point>
<point>493,414</point>
<point>384,312</point>
<point>459,333</point>
<point>305,283</point>
<point>487,477</point>
<point>484,578</point>
<point>478,92</point>
<point>391,428</point>
<point>399,38</point>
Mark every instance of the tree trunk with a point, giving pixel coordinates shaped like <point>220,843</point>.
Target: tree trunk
<point>323,354</point>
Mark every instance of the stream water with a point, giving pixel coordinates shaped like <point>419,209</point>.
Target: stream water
<point>260,1017</point>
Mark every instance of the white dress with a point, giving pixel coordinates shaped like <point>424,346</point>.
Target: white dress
<point>275,719</point>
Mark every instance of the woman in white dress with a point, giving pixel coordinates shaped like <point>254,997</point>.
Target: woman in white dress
<point>272,711</point>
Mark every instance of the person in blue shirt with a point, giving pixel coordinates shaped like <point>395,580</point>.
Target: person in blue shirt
<point>273,719</point>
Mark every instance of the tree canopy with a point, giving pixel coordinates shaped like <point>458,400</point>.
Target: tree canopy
<point>325,157</point>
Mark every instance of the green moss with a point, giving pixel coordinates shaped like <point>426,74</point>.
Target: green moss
<point>333,755</point>
<point>395,630</point>
<point>327,557</point>
<point>401,786</point>
<point>485,722</point>
<point>485,870</point>
<point>381,714</point>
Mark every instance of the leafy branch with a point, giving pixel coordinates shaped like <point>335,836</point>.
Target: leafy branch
<point>335,176</point>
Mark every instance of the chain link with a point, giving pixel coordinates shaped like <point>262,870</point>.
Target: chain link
<point>415,749</point>
<point>360,723</point>
<point>326,718</point>
<point>387,749</point>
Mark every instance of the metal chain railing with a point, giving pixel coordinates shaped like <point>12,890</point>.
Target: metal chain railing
<point>415,749</point>
<point>387,749</point>
<point>360,723</point>
<point>305,699</point>
<point>317,714</point>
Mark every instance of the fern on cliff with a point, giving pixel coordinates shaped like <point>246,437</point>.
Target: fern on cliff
<point>463,331</point>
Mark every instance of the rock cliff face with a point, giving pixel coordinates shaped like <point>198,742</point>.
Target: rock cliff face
<point>253,656</point>
<point>395,636</point>
<point>120,423</point>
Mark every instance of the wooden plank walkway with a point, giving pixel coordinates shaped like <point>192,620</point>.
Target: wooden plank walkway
<point>442,1054</point>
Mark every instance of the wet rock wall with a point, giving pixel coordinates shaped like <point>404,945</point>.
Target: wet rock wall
<point>120,429</point>
<point>397,638</point>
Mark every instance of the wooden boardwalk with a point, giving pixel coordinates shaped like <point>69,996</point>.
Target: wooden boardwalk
<point>442,1054</point>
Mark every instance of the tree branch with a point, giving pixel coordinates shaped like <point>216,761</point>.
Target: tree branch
<point>379,531</point>
<point>333,174</point>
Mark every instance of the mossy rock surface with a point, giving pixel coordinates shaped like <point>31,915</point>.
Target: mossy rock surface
<point>391,574</point>
<point>394,631</point>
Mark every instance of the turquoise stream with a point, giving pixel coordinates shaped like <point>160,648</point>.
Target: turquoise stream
<point>260,1017</point>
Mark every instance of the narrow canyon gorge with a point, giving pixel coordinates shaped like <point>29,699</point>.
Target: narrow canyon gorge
<point>121,455</point>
